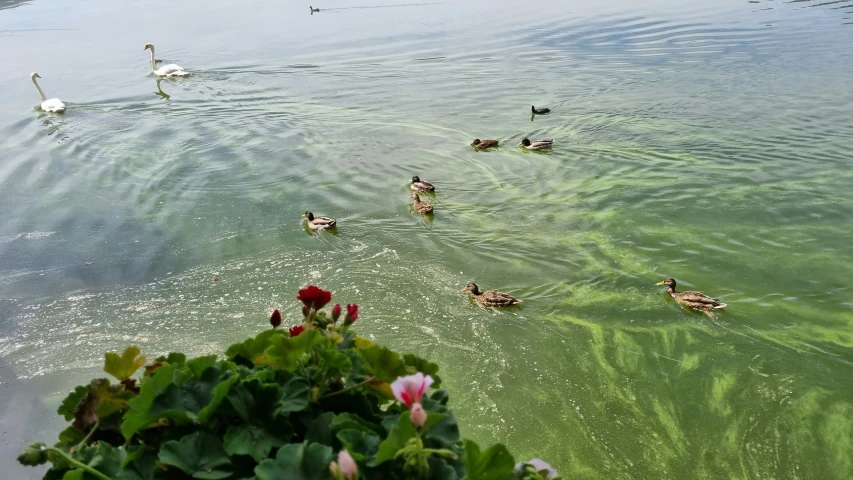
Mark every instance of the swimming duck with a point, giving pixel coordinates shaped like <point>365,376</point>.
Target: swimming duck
<point>536,144</point>
<point>539,111</point>
<point>424,208</point>
<point>695,300</point>
<point>484,144</point>
<point>319,223</point>
<point>419,185</point>
<point>490,298</point>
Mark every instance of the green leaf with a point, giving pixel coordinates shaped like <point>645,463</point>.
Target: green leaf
<point>197,398</point>
<point>139,415</point>
<point>174,359</point>
<point>200,364</point>
<point>439,469</point>
<point>397,438</point>
<point>70,436</point>
<point>319,430</point>
<point>35,454</point>
<point>139,464</point>
<point>124,365</point>
<point>110,398</point>
<point>102,457</point>
<point>252,440</point>
<point>385,364</point>
<point>69,405</point>
<point>305,461</point>
<point>347,420</point>
<point>335,362</point>
<point>252,348</point>
<point>253,400</point>
<point>296,395</point>
<point>416,364</point>
<point>199,455</point>
<point>495,463</point>
<point>358,372</point>
<point>441,430</point>
<point>362,444</point>
<point>286,352</point>
<point>74,475</point>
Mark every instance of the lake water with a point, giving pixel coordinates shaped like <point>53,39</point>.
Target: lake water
<point>710,142</point>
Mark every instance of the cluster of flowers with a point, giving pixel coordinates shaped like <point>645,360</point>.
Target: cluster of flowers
<point>313,299</point>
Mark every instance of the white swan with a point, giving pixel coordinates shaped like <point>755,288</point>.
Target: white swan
<point>170,70</point>
<point>54,105</point>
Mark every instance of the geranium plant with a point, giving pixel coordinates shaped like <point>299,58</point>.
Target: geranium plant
<point>313,401</point>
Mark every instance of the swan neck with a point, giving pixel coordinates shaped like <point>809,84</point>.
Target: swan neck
<point>153,65</point>
<point>43,98</point>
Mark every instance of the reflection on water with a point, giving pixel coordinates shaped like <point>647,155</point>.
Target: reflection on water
<point>691,142</point>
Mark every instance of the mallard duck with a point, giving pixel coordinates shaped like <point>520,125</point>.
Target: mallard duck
<point>536,144</point>
<point>695,300</point>
<point>419,185</point>
<point>484,144</point>
<point>539,111</point>
<point>490,298</point>
<point>424,208</point>
<point>319,223</point>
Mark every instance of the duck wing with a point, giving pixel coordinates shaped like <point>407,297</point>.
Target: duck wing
<point>699,299</point>
<point>487,144</point>
<point>498,299</point>
<point>538,144</point>
<point>322,223</point>
<point>422,186</point>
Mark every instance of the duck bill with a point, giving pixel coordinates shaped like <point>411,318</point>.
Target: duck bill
<point>303,215</point>
<point>661,283</point>
<point>465,289</point>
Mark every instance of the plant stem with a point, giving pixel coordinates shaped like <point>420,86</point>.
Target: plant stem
<point>81,466</point>
<point>88,435</point>
<point>344,390</point>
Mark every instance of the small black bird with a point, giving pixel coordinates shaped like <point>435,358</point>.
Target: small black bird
<point>313,9</point>
<point>539,111</point>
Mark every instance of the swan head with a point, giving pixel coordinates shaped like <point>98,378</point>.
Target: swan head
<point>35,75</point>
<point>147,46</point>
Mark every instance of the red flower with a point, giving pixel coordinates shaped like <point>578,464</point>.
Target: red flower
<point>336,312</point>
<point>314,297</point>
<point>295,331</point>
<point>352,314</point>
<point>275,318</point>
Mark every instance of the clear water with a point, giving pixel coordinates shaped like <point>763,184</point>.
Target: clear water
<point>710,142</point>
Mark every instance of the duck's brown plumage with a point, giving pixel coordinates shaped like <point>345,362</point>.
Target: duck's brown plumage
<point>419,185</point>
<point>424,208</point>
<point>490,298</point>
<point>692,299</point>
<point>484,144</point>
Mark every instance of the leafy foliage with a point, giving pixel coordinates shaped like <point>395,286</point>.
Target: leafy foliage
<point>276,406</point>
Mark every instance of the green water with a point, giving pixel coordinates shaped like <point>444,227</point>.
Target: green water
<point>711,143</point>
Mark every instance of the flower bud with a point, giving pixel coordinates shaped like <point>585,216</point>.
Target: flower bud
<point>418,415</point>
<point>352,314</point>
<point>296,330</point>
<point>336,312</point>
<point>305,311</point>
<point>347,465</point>
<point>275,318</point>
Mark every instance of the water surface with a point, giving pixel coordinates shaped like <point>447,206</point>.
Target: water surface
<point>710,142</point>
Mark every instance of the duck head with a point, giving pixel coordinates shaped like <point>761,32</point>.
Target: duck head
<point>472,287</point>
<point>669,282</point>
<point>308,215</point>
<point>525,143</point>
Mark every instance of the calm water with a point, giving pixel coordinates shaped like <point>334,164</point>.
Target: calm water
<point>712,143</point>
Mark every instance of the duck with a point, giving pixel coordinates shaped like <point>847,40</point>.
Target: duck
<point>424,208</point>
<point>53,105</point>
<point>419,185</point>
<point>484,144</point>
<point>536,144</point>
<point>690,299</point>
<point>319,223</point>
<point>170,70</point>
<point>539,111</point>
<point>490,298</point>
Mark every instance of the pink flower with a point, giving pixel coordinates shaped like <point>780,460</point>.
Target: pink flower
<point>418,415</point>
<point>345,467</point>
<point>409,390</point>
<point>296,330</point>
<point>275,318</point>
<point>352,314</point>
<point>314,297</point>
<point>336,312</point>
